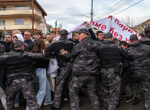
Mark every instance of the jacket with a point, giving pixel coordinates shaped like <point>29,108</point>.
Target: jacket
<point>140,53</point>
<point>146,39</point>
<point>85,58</point>
<point>2,48</point>
<point>19,62</point>
<point>109,54</point>
<point>56,46</point>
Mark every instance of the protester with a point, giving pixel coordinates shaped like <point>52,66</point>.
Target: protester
<point>27,38</point>
<point>146,37</point>
<point>85,69</point>
<point>49,38</point>
<point>18,75</point>
<point>65,66</point>
<point>9,42</point>
<point>53,34</point>
<point>39,35</point>
<point>44,86</point>
<point>15,32</point>
<point>100,34</point>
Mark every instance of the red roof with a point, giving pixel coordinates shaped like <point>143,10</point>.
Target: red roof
<point>57,29</point>
<point>47,24</point>
<point>145,22</point>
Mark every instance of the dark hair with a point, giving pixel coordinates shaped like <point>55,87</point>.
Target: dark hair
<point>115,40</point>
<point>39,46</point>
<point>97,33</point>
<point>39,33</point>
<point>123,43</point>
<point>53,32</point>
<point>141,34</point>
<point>133,38</point>
<point>74,33</point>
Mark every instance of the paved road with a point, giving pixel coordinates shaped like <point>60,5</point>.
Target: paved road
<point>86,105</point>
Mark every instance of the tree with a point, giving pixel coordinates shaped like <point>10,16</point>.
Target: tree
<point>1,34</point>
<point>128,21</point>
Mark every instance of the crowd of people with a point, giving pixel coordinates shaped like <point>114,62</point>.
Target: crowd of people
<point>104,66</point>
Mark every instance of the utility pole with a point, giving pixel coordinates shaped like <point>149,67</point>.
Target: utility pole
<point>55,26</point>
<point>32,17</point>
<point>5,31</point>
<point>91,10</point>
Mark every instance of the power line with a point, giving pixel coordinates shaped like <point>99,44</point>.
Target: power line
<point>128,7</point>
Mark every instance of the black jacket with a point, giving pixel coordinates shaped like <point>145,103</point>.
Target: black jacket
<point>56,46</point>
<point>30,43</point>
<point>2,48</point>
<point>140,53</point>
<point>85,57</point>
<point>146,39</point>
<point>19,62</point>
<point>110,53</point>
<point>9,46</point>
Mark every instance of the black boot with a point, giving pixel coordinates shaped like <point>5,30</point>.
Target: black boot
<point>136,100</point>
<point>54,108</point>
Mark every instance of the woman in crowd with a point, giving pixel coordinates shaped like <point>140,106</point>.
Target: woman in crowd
<point>44,86</point>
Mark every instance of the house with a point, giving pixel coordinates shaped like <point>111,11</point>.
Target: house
<point>17,14</point>
<point>48,28</point>
<point>57,30</point>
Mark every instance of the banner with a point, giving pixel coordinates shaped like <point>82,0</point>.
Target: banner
<point>110,24</point>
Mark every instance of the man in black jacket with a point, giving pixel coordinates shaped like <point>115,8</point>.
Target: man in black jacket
<point>109,55</point>
<point>65,65</point>
<point>141,68</point>
<point>84,70</point>
<point>146,38</point>
<point>19,64</point>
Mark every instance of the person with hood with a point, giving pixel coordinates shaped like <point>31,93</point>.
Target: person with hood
<point>20,37</point>
<point>84,70</point>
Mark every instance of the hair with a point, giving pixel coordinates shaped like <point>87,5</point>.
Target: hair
<point>141,34</point>
<point>28,32</point>
<point>46,41</point>
<point>123,43</point>
<point>39,45</point>
<point>18,32</point>
<point>115,40</point>
<point>133,38</point>
<point>39,33</point>
<point>74,33</point>
<point>53,32</point>
<point>97,33</point>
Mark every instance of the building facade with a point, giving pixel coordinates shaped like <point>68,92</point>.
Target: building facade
<point>17,14</point>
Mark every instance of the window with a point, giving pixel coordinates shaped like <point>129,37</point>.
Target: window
<point>19,21</point>
<point>2,8</point>
<point>2,22</point>
<point>23,7</point>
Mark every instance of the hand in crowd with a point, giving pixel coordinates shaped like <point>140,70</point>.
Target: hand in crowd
<point>62,51</point>
<point>86,24</point>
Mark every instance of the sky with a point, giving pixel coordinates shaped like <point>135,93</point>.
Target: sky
<point>70,13</point>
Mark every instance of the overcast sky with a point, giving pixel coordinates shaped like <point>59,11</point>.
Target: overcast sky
<point>69,13</point>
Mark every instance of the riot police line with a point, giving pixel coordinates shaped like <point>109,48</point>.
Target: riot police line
<point>105,66</point>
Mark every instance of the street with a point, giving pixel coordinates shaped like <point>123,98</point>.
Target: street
<point>86,105</point>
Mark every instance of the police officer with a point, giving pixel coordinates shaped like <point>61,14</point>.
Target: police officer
<point>65,65</point>
<point>85,69</point>
<point>109,55</point>
<point>140,66</point>
<point>146,38</point>
<point>18,70</point>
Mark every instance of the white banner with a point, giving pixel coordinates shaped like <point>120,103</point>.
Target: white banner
<point>111,25</point>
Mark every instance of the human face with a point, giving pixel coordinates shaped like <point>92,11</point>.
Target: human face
<point>82,36</point>
<point>48,38</point>
<point>8,39</point>
<point>100,36</point>
<point>37,36</point>
<point>15,39</point>
<point>53,35</point>
<point>75,38</point>
<point>27,36</point>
